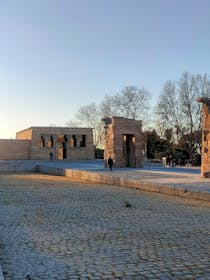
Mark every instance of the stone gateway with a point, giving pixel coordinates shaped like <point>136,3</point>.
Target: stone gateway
<point>123,142</point>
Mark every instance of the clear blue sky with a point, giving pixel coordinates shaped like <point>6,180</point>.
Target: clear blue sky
<point>58,55</point>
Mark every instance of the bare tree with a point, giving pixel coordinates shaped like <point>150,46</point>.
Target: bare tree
<point>177,107</point>
<point>106,106</point>
<point>187,97</point>
<point>190,88</point>
<point>88,116</point>
<point>168,111</point>
<point>131,102</point>
<point>202,87</point>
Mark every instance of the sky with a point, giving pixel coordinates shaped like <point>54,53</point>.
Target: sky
<point>59,55</point>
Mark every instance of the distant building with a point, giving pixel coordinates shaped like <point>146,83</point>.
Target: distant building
<point>43,143</point>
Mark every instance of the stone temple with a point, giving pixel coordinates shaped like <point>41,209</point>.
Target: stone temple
<point>41,143</point>
<point>124,142</point>
<point>205,161</point>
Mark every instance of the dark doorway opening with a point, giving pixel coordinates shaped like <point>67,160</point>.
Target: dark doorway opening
<point>129,150</point>
<point>62,149</point>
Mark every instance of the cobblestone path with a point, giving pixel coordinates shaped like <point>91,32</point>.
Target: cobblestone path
<point>59,229</point>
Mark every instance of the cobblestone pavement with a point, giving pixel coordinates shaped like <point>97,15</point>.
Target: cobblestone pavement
<point>59,229</point>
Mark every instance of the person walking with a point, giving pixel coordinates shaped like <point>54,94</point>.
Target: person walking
<point>110,163</point>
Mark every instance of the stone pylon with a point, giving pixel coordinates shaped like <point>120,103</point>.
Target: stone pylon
<point>124,142</point>
<point>205,158</point>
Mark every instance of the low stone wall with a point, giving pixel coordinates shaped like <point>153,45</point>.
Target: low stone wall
<point>113,179</point>
<point>51,170</point>
<point>17,166</point>
<point>1,274</point>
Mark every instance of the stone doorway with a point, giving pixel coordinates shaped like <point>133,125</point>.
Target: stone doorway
<point>64,151</point>
<point>129,150</point>
<point>62,146</point>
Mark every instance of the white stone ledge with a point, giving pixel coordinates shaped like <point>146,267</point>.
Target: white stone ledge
<point>111,179</point>
<point>17,166</point>
<point>1,274</point>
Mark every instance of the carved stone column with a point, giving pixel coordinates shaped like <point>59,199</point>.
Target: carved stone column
<point>205,156</point>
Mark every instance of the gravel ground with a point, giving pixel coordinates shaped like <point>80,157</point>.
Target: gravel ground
<point>54,228</point>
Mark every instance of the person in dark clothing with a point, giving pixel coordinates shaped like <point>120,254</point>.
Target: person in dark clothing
<point>110,163</point>
<point>51,156</point>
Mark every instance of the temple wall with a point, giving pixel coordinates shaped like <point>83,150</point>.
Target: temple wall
<point>24,134</point>
<point>43,143</point>
<point>14,149</point>
<point>54,140</point>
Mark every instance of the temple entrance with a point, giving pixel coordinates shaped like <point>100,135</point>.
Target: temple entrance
<point>64,151</point>
<point>129,150</point>
<point>124,142</point>
<point>62,148</point>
